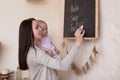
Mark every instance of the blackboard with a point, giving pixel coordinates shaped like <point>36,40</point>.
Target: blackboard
<point>81,12</point>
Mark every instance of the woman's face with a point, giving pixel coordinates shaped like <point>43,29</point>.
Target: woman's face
<point>37,30</point>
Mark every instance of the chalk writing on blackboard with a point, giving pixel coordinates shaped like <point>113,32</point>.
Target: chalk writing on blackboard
<point>77,13</point>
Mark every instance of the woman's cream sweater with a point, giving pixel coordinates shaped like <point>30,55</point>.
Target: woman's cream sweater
<point>42,66</point>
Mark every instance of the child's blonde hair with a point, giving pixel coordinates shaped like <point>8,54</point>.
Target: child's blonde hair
<point>41,21</point>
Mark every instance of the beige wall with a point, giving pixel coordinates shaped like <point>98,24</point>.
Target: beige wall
<point>107,66</point>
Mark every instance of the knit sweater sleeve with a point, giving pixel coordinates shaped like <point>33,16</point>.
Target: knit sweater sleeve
<point>48,61</point>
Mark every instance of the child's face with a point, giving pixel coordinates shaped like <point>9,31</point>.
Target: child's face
<point>44,29</point>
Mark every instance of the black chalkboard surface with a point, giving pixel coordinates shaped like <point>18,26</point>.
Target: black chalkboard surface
<point>81,12</point>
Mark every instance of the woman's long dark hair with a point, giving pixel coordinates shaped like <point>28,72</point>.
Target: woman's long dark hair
<point>26,39</point>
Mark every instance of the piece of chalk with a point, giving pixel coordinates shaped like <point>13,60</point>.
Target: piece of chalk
<point>81,26</point>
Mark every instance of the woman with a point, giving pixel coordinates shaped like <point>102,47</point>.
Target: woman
<point>41,65</point>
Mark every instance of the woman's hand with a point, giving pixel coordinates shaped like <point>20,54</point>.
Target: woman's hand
<point>79,35</point>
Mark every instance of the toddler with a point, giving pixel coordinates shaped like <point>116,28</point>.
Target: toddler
<point>46,42</point>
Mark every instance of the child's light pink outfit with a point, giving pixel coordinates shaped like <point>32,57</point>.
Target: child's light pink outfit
<point>46,42</point>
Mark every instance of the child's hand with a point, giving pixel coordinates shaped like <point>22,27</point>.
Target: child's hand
<point>57,51</point>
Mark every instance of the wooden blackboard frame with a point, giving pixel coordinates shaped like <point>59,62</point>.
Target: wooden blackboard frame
<point>95,23</point>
